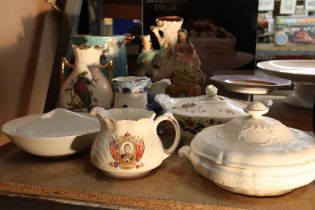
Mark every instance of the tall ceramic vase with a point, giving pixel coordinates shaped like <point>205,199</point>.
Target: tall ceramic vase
<point>168,26</point>
<point>115,47</point>
<point>86,87</point>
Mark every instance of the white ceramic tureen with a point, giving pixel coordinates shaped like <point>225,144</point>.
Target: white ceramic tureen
<point>254,155</point>
<point>196,113</point>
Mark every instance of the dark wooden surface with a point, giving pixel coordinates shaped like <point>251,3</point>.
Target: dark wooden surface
<point>295,117</point>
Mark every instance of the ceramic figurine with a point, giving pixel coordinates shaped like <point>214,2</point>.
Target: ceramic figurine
<point>186,72</point>
<point>86,86</point>
<point>144,60</point>
<point>169,26</point>
<point>127,145</point>
<point>162,60</point>
<point>176,59</point>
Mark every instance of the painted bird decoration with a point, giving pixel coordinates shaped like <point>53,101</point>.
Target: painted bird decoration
<point>81,89</point>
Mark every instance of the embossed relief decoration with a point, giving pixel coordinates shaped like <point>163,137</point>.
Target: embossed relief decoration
<point>127,151</point>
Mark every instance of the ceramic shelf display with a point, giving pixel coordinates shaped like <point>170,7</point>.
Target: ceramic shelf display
<point>127,145</point>
<point>86,86</point>
<point>176,59</point>
<point>253,155</point>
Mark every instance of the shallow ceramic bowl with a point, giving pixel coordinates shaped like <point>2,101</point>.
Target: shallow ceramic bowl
<point>56,133</point>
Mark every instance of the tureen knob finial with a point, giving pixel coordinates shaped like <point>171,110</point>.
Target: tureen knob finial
<point>256,109</point>
<point>211,90</point>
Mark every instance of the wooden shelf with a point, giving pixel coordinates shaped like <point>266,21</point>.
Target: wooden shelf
<point>289,51</point>
<point>175,184</point>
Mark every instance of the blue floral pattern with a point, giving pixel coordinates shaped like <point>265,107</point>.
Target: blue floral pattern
<point>135,86</point>
<point>194,126</point>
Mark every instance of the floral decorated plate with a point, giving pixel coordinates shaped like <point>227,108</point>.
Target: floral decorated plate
<point>196,113</point>
<point>250,84</point>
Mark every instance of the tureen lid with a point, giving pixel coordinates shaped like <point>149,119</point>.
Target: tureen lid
<point>254,141</point>
<point>209,105</point>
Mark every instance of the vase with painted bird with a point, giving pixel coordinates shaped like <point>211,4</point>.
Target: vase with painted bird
<point>86,86</point>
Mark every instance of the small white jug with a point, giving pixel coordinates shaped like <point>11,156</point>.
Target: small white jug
<point>127,145</point>
<point>131,92</point>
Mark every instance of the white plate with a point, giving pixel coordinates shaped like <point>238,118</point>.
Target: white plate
<point>250,84</point>
<point>56,133</point>
<point>295,70</point>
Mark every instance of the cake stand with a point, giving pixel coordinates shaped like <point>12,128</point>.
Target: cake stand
<point>301,72</point>
<point>250,84</point>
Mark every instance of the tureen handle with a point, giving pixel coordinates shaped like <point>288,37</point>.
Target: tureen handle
<point>164,100</point>
<point>268,103</point>
<point>64,62</point>
<point>169,117</point>
<point>185,152</point>
<point>256,109</point>
<point>211,90</point>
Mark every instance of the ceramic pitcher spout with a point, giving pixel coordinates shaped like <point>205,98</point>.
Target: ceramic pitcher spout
<point>158,87</point>
<point>96,112</point>
<point>104,120</point>
<point>185,152</point>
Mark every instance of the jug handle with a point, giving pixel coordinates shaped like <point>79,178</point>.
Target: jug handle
<point>169,117</point>
<point>64,62</point>
<point>110,66</point>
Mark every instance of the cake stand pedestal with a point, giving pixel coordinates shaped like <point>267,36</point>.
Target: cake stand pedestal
<point>302,96</point>
<point>301,73</point>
